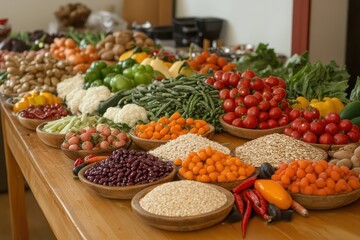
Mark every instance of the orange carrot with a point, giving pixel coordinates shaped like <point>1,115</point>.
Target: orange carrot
<point>95,159</point>
<point>299,209</point>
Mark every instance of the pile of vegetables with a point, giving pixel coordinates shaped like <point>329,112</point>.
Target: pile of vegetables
<point>35,98</point>
<point>348,156</point>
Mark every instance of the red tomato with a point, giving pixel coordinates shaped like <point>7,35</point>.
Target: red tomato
<point>257,84</point>
<point>218,75</point>
<point>271,81</point>
<point>272,123</point>
<point>280,91</point>
<point>284,105</point>
<point>331,128</point>
<point>296,123</point>
<point>226,78</point>
<point>248,74</point>
<point>250,122</point>
<point>238,122</point>
<point>219,85</point>
<point>267,95</point>
<point>253,111</point>
<point>296,134</point>
<point>345,125</point>
<point>264,105</point>
<point>263,125</point>
<point>341,138</point>
<point>317,127</point>
<point>282,83</point>
<point>229,117</point>
<point>239,100</point>
<point>354,136</point>
<point>240,111</point>
<point>224,94</point>
<point>355,128</point>
<point>258,95</point>
<point>234,93</point>
<point>243,91</point>
<point>304,127</point>
<point>326,138</point>
<point>244,83</point>
<point>251,101</point>
<point>332,118</point>
<point>294,114</point>
<point>310,137</point>
<point>234,80</point>
<point>229,105</point>
<point>283,120</point>
<point>263,116</point>
<point>311,114</point>
<point>275,113</point>
<point>288,131</point>
<point>266,88</point>
<point>273,103</point>
<point>210,80</point>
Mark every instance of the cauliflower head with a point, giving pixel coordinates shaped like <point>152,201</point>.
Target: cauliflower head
<point>92,99</point>
<point>131,114</point>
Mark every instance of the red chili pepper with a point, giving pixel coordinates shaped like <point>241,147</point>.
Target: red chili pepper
<point>239,203</point>
<point>252,197</point>
<point>262,209</point>
<point>245,220</point>
<point>78,162</point>
<point>245,184</point>
<point>90,156</point>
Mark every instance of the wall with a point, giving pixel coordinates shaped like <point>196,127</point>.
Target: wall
<point>25,15</point>
<point>328,27</point>
<point>247,21</point>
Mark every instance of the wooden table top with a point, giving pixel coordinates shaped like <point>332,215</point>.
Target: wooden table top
<point>75,212</point>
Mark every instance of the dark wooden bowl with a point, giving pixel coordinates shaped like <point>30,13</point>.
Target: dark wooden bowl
<point>51,139</point>
<point>30,123</point>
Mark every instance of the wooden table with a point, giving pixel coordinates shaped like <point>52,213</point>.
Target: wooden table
<point>75,212</point>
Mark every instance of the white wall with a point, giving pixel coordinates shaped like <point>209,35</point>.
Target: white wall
<point>247,21</point>
<point>328,28</point>
<point>29,15</point>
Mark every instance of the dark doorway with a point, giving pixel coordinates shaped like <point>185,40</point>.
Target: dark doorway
<point>352,60</point>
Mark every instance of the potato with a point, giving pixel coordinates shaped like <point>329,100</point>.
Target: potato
<point>355,161</point>
<point>350,147</point>
<point>341,154</point>
<point>118,50</point>
<point>139,41</point>
<point>140,35</point>
<point>13,70</point>
<point>334,161</point>
<point>344,162</point>
<point>357,151</point>
<point>130,45</point>
<point>108,55</point>
<point>109,45</point>
<point>109,39</point>
<point>356,170</point>
<point>149,42</point>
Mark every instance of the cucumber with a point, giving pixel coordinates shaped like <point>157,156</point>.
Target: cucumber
<point>356,121</point>
<point>351,110</point>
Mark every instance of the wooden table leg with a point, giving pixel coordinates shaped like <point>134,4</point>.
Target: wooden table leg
<point>16,190</point>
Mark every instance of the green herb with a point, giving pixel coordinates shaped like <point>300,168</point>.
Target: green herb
<point>355,92</point>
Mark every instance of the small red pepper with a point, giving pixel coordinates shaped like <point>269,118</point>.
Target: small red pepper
<point>245,184</point>
<point>261,208</point>
<point>90,156</point>
<point>78,162</point>
<point>245,220</point>
<point>239,203</point>
<point>252,197</point>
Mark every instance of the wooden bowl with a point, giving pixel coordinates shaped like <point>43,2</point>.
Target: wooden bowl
<point>190,223</point>
<point>328,147</point>
<point>120,192</point>
<point>327,202</point>
<point>73,155</point>
<point>51,139</point>
<point>249,133</point>
<point>148,144</point>
<point>10,102</point>
<point>227,185</point>
<point>30,123</point>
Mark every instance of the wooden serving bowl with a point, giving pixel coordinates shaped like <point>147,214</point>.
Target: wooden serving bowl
<point>127,192</point>
<point>51,139</point>
<point>73,155</point>
<point>10,102</point>
<point>31,123</point>
<point>189,223</point>
<point>227,185</point>
<point>326,202</point>
<point>149,144</point>
<point>249,133</point>
<point>328,147</point>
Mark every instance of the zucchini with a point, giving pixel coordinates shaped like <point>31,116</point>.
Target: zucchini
<point>351,110</point>
<point>356,121</point>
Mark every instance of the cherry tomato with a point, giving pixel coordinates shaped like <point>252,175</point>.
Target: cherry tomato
<point>284,105</point>
<point>244,83</point>
<point>234,93</point>
<point>263,125</point>
<point>310,137</point>
<point>294,114</point>
<point>283,120</point>
<point>257,84</point>
<point>264,105</point>
<point>326,138</point>
<point>355,128</point>
<point>345,125</point>
<point>248,74</point>
<point>296,123</point>
<point>331,128</point>
<point>288,131</point>
<point>229,117</point>
<point>238,122</point>
<point>267,95</point>
<point>218,75</point>
<point>273,103</point>
<point>281,92</point>
<point>271,81</point>
<point>219,85</point>
<point>275,113</point>
<point>272,123</point>
<point>332,118</point>
<point>317,127</point>
<point>296,134</point>
<point>282,83</point>
<point>250,122</point>
<point>258,95</point>
<point>226,78</point>
<point>210,80</point>
<point>234,80</point>
<point>263,116</point>
<point>311,114</point>
<point>251,101</point>
<point>229,105</point>
<point>253,111</point>
<point>224,94</point>
<point>354,136</point>
<point>240,111</point>
<point>304,127</point>
<point>341,138</point>
<point>243,91</point>
<point>239,100</point>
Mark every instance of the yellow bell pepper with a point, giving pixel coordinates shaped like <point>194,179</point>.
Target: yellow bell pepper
<point>21,105</point>
<point>301,103</point>
<point>48,96</point>
<point>338,104</point>
<point>324,107</point>
<point>126,55</point>
<point>139,57</point>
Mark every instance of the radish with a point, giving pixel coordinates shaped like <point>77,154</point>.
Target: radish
<point>74,140</point>
<point>119,143</point>
<point>87,145</point>
<point>115,131</point>
<point>91,130</point>
<point>65,145</point>
<point>106,131</point>
<point>85,136</point>
<point>69,135</point>
<point>74,147</point>
<point>122,136</point>
<point>104,145</point>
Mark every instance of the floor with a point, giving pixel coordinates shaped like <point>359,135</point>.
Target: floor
<point>39,228</point>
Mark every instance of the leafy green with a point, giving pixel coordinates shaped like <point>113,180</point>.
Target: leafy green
<point>319,80</point>
<point>355,92</point>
